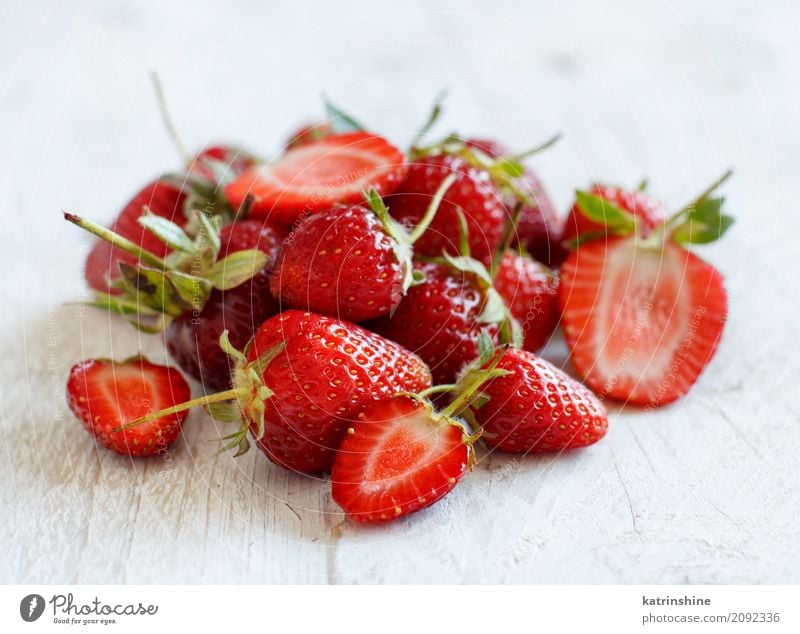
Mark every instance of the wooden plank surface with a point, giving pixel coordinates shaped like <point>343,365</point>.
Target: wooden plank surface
<point>702,491</point>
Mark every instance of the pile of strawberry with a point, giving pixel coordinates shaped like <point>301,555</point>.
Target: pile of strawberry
<point>256,275</point>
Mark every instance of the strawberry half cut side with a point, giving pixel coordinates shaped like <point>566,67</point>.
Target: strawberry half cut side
<point>319,175</point>
<point>105,395</point>
<point>399,458</point>
<point>642,322</point>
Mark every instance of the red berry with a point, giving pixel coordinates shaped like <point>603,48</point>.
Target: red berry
<point>536,407</point>
<point>398,458</point>
<point>642,321</point>
<point>648,212</point>
<point>530,292</point>
<point>438,320</point>
<point>104,394</point>
<point>472,192</point>
<point>340,262</point>
<point>539,229</point>
<point>319,175</point>
<point>322,379</point>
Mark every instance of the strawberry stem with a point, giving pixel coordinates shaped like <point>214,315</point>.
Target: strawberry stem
<point>432,118</point>
<point>474,379</point>
<point>227,395</point>
<point>539,148</point>
<point>438,389</point>
<point>118,241</point>
<point>172,131</point>
<point>509,231</point>
<point>433,207</point>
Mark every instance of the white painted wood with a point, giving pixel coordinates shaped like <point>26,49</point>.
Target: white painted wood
<point>703,491</point>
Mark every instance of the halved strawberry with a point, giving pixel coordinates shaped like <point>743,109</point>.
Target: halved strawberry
<point>104,395</point>
<point>399,457</point>
<point>318,175</point>
<point>641,314</point>
<point>642,321</point>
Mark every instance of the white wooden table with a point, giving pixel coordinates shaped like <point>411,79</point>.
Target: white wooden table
<point>703,491</point>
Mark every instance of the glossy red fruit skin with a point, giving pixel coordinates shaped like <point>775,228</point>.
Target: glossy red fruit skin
<point>375,498</point>
<point>472,192</point>
<point>538,408</point>
<point>539,228</point>
<point>328,371</point>
<point>102,263</point>
<point>193,338</point>
<point>340,262</point>
<point>649,212</point>
<point>531,294</point>
<point>308,134</point>
<point>100,417</point>
<point>237,160</point>
<point>319,175</point>
<point>704,310</point>
<point>438,320</point>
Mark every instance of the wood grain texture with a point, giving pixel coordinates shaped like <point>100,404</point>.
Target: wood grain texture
<point>703,491</point>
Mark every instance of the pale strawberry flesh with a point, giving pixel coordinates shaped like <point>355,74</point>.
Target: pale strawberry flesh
<point>642,322</point>
<point>399,458</point>
<point>104,395</point>
<point>319,175</point>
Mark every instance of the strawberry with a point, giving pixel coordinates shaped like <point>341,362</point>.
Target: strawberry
<point>539,229</point>
<point>104,395</point>
<point>351,262</point>
<point>163,199</point>
<point>303,381</point>
<point>534,407</point>
<point>319,175</point>
<point>192,338</point>
<point>472,192</point>
<point>530,292</point>
<point>643,317</point>
<point>401,456</point>
<point>595,212</point>
<point>441,318</point>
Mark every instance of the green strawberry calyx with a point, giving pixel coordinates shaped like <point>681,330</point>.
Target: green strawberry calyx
<point>244,403</point>
<point>155,289</point>
<point>700,222</point>
<point>403,240</point>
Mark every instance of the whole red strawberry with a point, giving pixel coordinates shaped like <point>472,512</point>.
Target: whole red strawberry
<point>530,291</point>
<point>326,372</point>
<point>164,199</point>
<point>600,211</point>
<point>473,193</point>
<point>319,175</point>
<point>193,337</point>
<point>441,318</point>
<point>539,229</point>
<point>400,457</point>
<point>350,262</point>
<point>643,317</point>
<point>536,407</point>
<point>105,395</point>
